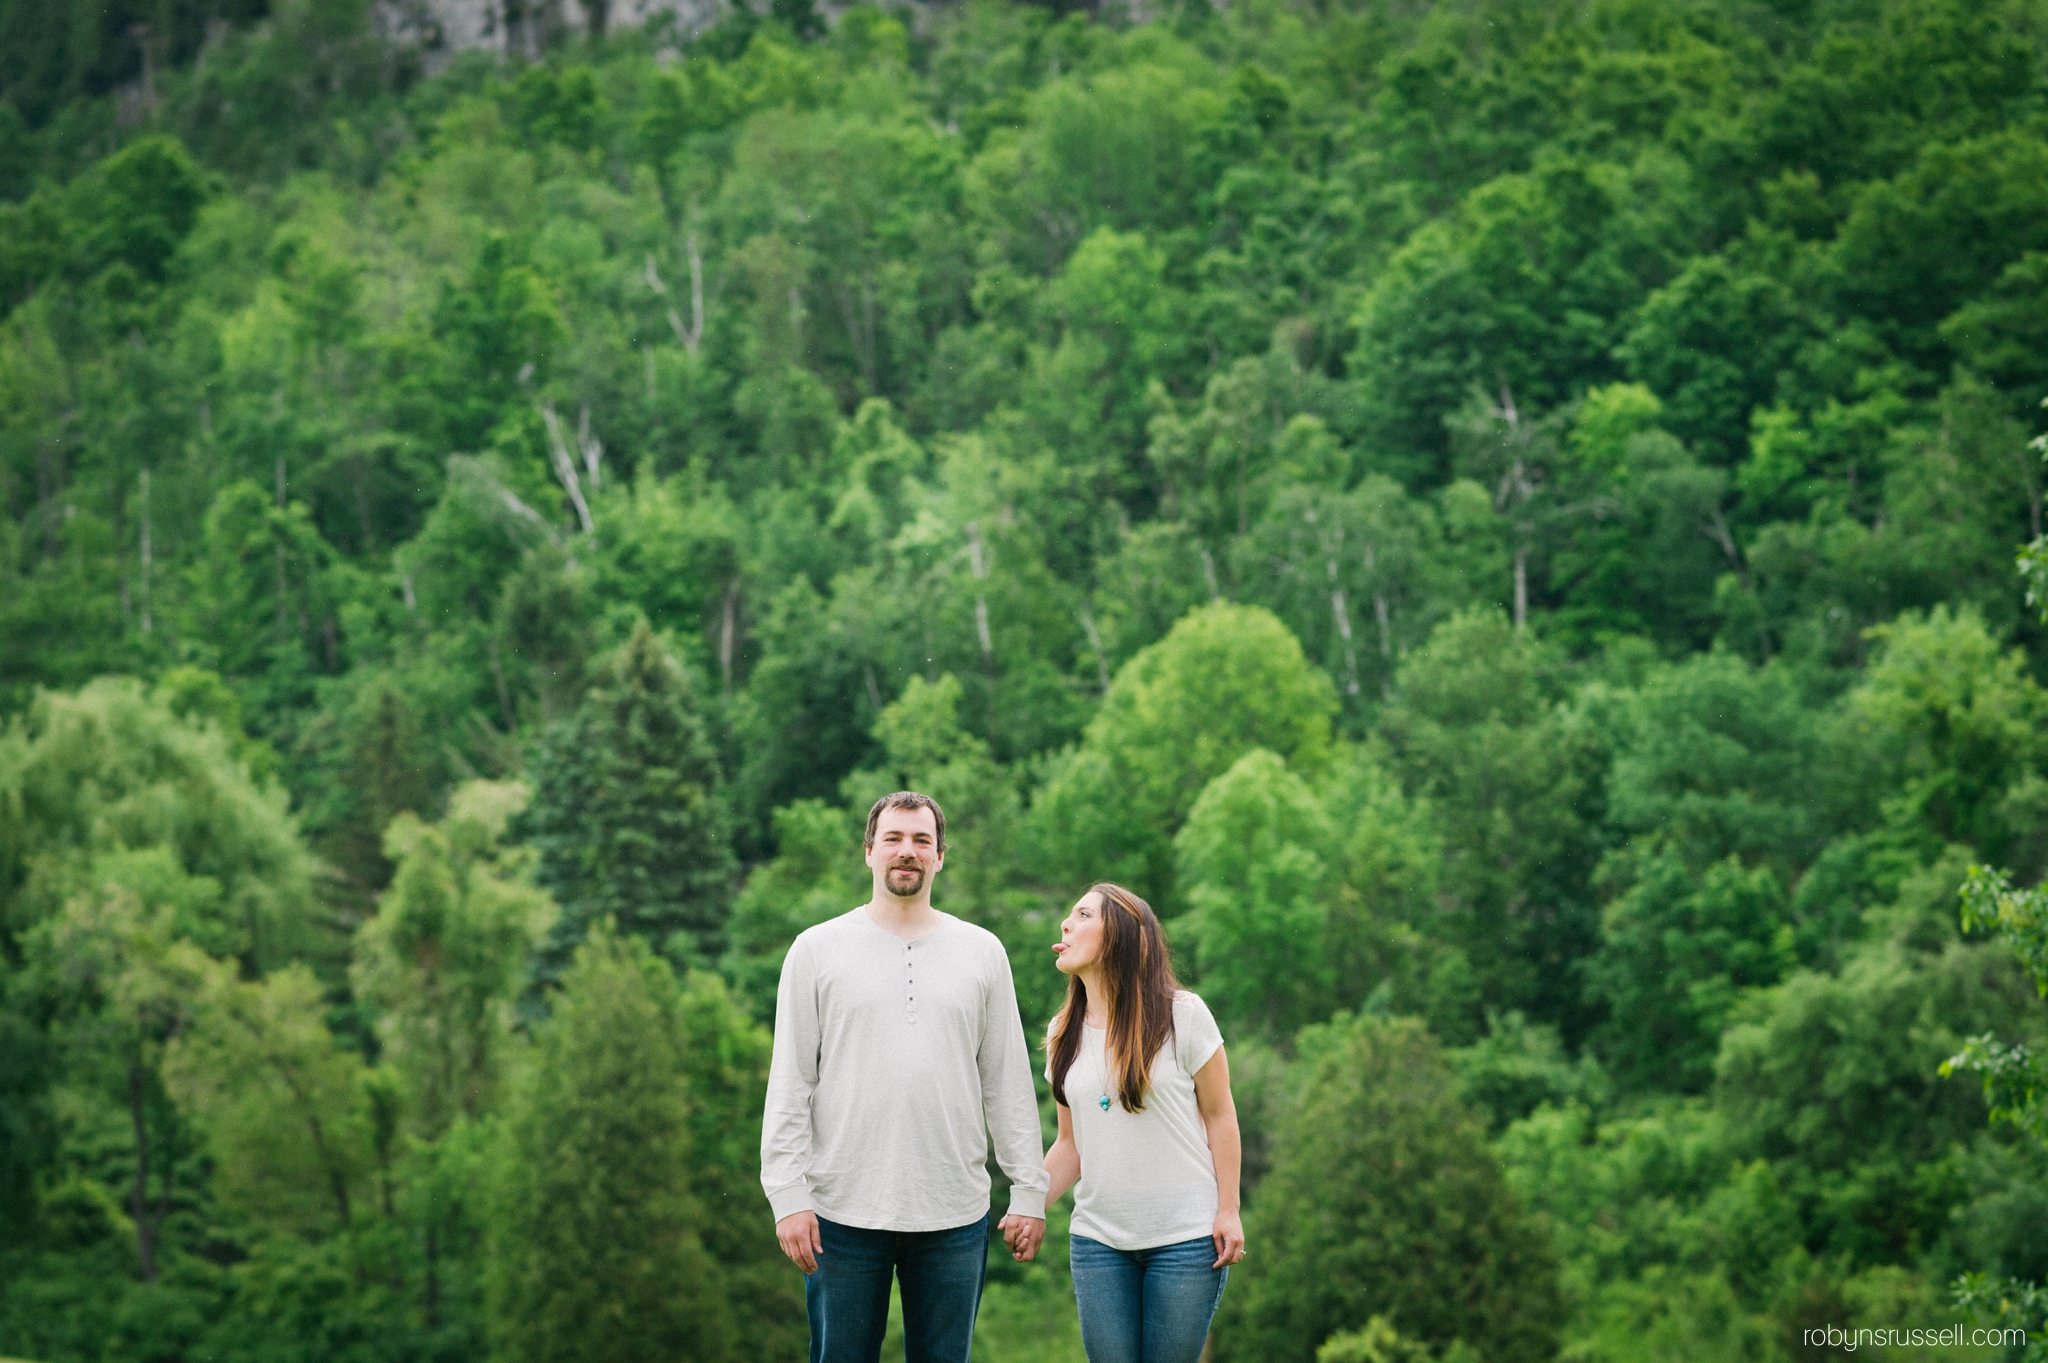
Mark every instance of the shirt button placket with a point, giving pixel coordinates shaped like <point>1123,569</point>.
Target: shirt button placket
<point>909,983</point>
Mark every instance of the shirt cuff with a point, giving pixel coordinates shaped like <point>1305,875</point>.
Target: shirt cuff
<point>790,1199</point>
<point>1027,1201</point>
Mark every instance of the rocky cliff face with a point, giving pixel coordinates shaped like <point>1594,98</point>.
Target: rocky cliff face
<point>526,27</point>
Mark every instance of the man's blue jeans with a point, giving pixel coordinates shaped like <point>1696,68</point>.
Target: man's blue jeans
<point>848,1297</point>
<point>1146,1305</point>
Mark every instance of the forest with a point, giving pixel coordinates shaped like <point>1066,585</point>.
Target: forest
<point>1515,524</point>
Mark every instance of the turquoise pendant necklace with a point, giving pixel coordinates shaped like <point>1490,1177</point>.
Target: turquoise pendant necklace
<point>1104,1100</point>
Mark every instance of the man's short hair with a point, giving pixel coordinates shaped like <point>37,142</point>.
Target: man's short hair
<point>906,799</point>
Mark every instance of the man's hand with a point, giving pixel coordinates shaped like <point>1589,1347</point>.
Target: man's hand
<point>1023,1234</point>
<point>798,1233</point>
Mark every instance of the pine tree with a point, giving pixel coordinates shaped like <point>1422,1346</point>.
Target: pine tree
<point>1384,1201</point>
<point>593,1246</point>
<point>628,815</point>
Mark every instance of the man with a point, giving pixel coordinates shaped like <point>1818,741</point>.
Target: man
<point>896,1039</point>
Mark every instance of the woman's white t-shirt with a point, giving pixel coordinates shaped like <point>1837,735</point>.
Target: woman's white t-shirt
<point>1147,1178</point>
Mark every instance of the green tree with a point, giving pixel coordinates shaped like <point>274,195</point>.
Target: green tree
<point>925,747</point>
<point>126,984</point>
<point>595,1245</point>
<point>1255,868</point>
<point>1729,783</point>
<point>446,954</point>
<point>372,761</point>
<point>282,1108</point>
<point>1678,950</point>
<point>543,637</point>
<point>1832,1078</point>
<point>1360,576</point>
<point>113,767</point>
<point>725,1057</point>
<point>1385,938</point>
<point>260,605</point>
<point>814,875</point>
<point>1379,1342</point>
<point>1385,1201</point>
<point>1226,679</point>
<point>1478,730</point>
<point>1642,536</point>
<point>1962,722</point>
<point>2015,1081</point>
<point>628,816</point>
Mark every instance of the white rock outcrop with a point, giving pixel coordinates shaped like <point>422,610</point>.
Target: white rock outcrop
<point>526,27</point>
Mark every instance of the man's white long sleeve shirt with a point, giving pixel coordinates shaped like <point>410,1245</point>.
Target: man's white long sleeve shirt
<point>894,1062</point>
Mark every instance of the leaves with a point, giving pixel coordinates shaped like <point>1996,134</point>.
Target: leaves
<point>1498,516</point>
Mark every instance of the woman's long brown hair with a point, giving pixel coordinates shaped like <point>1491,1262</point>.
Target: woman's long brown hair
<point>1138,978</point>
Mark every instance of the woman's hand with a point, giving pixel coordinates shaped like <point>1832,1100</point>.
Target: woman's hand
<point>1219,1118</point>
<point>1023,1234</point>
<point>1229,1239</point>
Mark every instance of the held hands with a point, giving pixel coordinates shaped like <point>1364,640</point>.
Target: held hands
<point>1023,1234</point>
<point>798,1234</point>
<point>1229,1238</point>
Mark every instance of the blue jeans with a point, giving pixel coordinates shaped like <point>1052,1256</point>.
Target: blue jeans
<point>848,1297</point>
<point>1146,1305</point>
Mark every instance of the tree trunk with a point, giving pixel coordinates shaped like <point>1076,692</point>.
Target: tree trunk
<point>1716,529</point>
<point>696,291</point>
<point>1343,617</point>
<point>1521,586</point>
<point>48,478</point>
<point>282,623</point>
<point>1095,642</point>
<point>366,523</point>
<point>145,1227</point>
<point>725,632</point>
<point>337,1181</point>
<point>504,692</point>
<point>565,467</point>
<point>145,553</point>
<point>977,562</point>
<point>433,1265</point>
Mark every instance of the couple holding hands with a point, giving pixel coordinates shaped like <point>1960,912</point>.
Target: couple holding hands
<point>899,1051</point>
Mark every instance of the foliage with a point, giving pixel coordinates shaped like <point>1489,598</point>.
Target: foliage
<point>447,952</point>
<point>2013,1078</point>
<point>626,814</point>
<point>1495,518</point>
<point>114,767</point>
<point>2009,1302</point>
<point>281,1106</point>
<point>1379,1342</point>
<point>596,1240</point>
<point>1256,879</point>
<point>1225,680</point>
<point>1384,1201</point>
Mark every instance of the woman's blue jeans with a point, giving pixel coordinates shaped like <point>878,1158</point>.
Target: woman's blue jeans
<point>848,1297</point>
<point>1146,1305</point>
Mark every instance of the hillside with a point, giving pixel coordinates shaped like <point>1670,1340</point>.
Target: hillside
<point>1498,518</point>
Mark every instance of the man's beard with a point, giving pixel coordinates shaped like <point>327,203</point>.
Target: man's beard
<point>915,875</point>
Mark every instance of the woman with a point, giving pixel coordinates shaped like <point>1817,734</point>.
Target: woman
<point>1148,1130</point>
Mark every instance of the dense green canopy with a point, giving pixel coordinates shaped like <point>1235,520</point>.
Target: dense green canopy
<point>1497,517</point>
